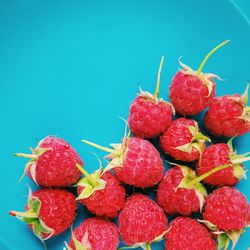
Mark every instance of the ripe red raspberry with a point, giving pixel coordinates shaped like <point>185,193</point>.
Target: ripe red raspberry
<point>221,154</point>
<point>183,141</point>
<point>192,91</point>
<point>141,221</point>
<point>188,234</point>
<point>95,234</point>
<point>101,193</point>
<point>228,115</point>
<point>135,161</point>
<point>49,212</point>
<point>149,116</point>
<point>53,163</point>
<point>177,195</point>
<point>227,211</point>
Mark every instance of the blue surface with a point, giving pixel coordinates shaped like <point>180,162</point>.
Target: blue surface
<point>70,68</point>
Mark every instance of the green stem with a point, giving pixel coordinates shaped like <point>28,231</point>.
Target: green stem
<point>148,246</point>
<point>157,89</point>
<point>109,150</point>
<point>205,175</point>
<point>30,156</point>
<point>208,55</point>
<point>26,214</point>
<point>88,176</point>
<point>240,160</point>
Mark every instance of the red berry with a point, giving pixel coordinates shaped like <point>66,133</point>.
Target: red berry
<point>189,93</point>
<point>53,163</point>
<point>149,116</point>
<point>227,208</point>
<point>141,220</point>
<point>142,164</point>
<point>95,234</point>
<point>135,161</point>
<point>183,141</point>
<point>192,91</point>
<point>228,115</point>
<point>217,155</point>
<point>106,200</point>
<point>188,234</point>
<point>175,196</point>
<point>49,212</point>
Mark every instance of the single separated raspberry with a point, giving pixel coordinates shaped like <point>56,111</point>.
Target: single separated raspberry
<point>192,91</point>
<point>222,154</point>
<point>141,221</point>
<point>179,193</point>
<point>181,190</point>
<point>49,212</point>
<point>94,234</point>
<point>228,115</point>
<point>188,234</point>
<point>53,163</point>
<point>135,161</point>
<point>183,141</point>
<point>101,192</point>
<point>149,116</point>
<point>227,213</point>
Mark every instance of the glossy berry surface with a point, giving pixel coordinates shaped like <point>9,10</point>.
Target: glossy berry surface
<point>224,117</point>
<point>102,234</point>
<point>227,208</point>
<point>57,166</point>
<point>142,165</point>
<point>108,201</point>
<point>178,134</point>
<point>189,95</point>
<point>188,234</point>
<point>176,201</point>
<point>148,118</point>
<point>141,220</point>
<point>214,156</point>
<point>58,208</point>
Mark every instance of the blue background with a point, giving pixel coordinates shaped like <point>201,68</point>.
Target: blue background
<point>70,68</point>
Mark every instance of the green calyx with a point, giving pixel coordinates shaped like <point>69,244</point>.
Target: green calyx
<point>146,245</point>
<point>237,160</point>
<point>188,182</point>
<point>245,96</point>
<point>31,164</point>
<point>224,237</point>
<point>83,245</point>
<point>32,218</point>
<point>192,181</point>
<point>206,78</point>
<point>246,109</point>
<point>91,182</point>
<point>116,152</point>
<point>243,100</point>
<point>197,142</point>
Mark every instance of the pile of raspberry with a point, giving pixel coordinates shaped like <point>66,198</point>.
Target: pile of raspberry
<point>196,191</point>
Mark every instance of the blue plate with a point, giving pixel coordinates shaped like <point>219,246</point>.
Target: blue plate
<point>70,68</point>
